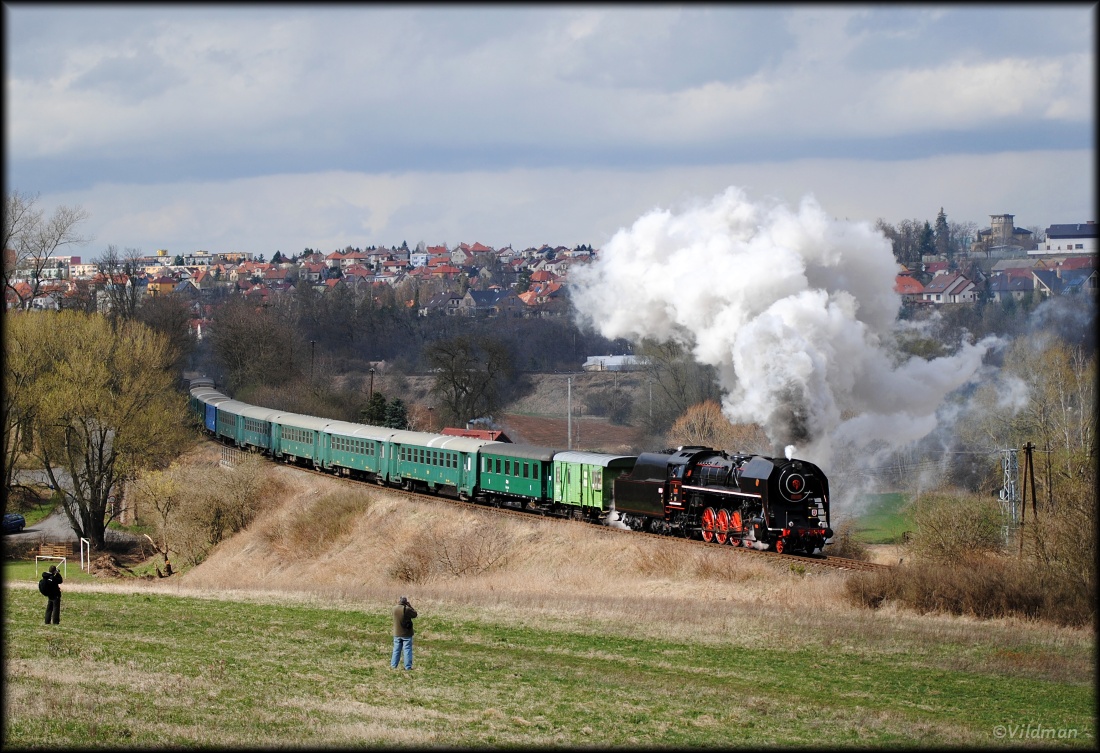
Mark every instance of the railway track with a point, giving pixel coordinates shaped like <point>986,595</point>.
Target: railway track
<point>782,560</point>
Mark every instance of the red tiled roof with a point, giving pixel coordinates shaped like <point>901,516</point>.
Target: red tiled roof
<point>493,435</point>
<point>907,285</point>
<point>1079,262</point>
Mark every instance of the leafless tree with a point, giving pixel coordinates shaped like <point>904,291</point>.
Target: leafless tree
<point>171,316</point>
<point>676,382</point>
<point>471,375</point>
<point>120,270</point>
<point>31,240</point>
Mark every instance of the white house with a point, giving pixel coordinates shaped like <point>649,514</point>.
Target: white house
<point>1069,239</point>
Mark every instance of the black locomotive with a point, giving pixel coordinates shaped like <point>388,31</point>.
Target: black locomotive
<point>744,500</point>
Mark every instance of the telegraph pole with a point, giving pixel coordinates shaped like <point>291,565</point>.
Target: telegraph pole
<point>569,411</point>
<point>1028,471</point>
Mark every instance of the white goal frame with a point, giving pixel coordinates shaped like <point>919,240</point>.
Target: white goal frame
<point>64,563</point>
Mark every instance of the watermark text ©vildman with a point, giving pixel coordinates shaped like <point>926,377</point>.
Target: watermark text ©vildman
<point>1032,731</point>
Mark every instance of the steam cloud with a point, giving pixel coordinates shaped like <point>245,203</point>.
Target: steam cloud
<point>796,311</point>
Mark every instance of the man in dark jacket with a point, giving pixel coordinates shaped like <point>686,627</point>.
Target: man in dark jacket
<point>403,616</point>
<point>50,587</point>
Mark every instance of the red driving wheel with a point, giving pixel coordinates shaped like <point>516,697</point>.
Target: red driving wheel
<point>709,517</point>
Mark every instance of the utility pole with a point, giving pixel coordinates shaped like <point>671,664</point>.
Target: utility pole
<point>312,344</point>
<point>1028,471</point>
<point>569,411</point>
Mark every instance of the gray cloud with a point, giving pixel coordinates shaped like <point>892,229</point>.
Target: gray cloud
<point>581,116</point>
<point>479,86</point>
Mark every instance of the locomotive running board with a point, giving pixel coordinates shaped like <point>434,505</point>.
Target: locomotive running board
<point>720,490</point>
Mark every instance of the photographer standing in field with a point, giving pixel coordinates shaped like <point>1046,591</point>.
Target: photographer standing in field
<point>50,587</point>
<point>403,616</point>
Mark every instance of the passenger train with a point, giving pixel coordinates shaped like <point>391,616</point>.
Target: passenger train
<point>767,503</point>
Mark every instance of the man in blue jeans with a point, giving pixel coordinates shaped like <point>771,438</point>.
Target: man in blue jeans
<point>403,616</point>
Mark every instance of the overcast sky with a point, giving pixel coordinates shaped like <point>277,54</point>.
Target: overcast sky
<point>254,128</point>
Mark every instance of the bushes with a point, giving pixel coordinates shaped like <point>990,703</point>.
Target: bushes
<point>953,525</point>
<point>452,554</point>
<point>846,545</point>
<point>976,587</point>
<point>315,526</point>
<point>960,563</point>
<point>194,507</point>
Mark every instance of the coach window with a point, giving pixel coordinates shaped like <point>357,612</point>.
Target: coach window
<point>526,471</point>
<point>535,471</point>
<point>498,465</point>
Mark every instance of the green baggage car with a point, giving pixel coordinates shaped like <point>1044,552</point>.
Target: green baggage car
<point>584,481</point>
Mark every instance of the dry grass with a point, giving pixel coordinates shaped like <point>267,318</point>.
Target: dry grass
<point>983,587</point>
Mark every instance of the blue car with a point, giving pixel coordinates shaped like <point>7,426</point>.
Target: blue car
<point>14,522</point>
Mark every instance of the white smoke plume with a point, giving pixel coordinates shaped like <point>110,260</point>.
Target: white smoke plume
<point>795,310</point>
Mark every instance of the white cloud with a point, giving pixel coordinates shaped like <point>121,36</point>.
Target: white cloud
<point>960,94</point>
<point>525,207</point>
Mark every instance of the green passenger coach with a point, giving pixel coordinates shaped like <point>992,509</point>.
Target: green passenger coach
<point>517,475</point>
<point>433,462</point>
<point>297,439</point>
<point>355,450</point>
<point>585,481</point>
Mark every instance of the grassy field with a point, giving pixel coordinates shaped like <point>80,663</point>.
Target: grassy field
<point>533,632</point>
<point>135,667</point>
<point>884,520</point>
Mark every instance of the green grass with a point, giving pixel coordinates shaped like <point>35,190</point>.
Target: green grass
<point>34,512</point>
<point>885,519</point>
<point>23,570</point>
<point>145,669</point>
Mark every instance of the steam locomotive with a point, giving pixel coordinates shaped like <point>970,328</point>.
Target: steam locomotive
<point>745,500</point>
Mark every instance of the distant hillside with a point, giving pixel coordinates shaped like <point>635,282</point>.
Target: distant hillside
<point>540,415</point>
